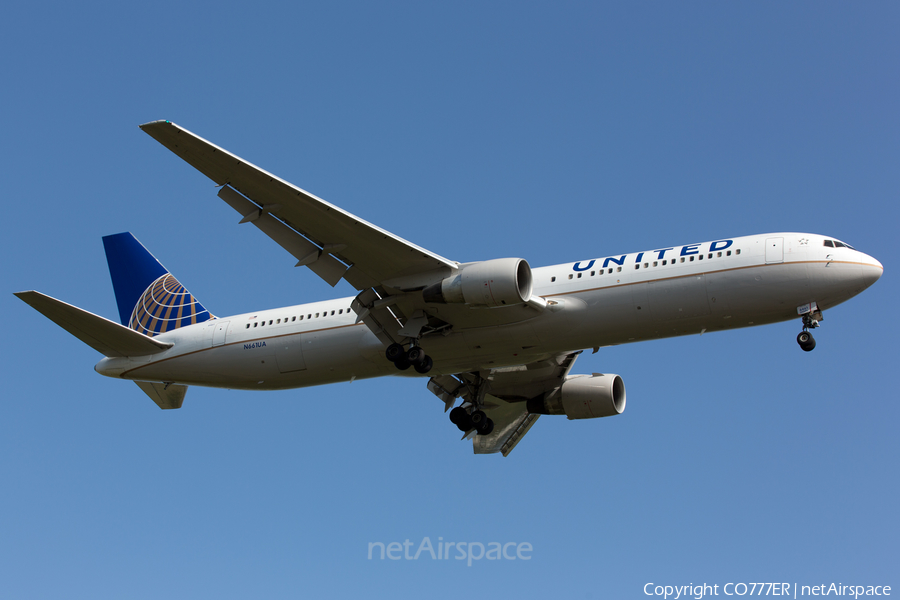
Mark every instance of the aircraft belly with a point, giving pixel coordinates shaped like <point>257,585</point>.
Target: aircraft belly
<point>280,362</point>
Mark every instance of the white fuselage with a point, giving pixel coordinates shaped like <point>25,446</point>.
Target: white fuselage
<point>724,284</point>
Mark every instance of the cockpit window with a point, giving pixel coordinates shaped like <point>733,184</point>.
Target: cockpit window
<point>837,244</point>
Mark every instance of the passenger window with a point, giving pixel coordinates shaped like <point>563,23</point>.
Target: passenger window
<point>570,276</point>
<point>710,255</point>
<point>592,273</point>
<point>692,259</point>
<point>646,265</point>
<point>270,321</point>
<point>728,253</point>
<point>655,263</point>
<point>552,279</point>
<point>618,269</point>
<point>579,276</point>
<point>637,267</point>
<point>719,255</point>
<point>737,251</point>
<point>278,321</point>
<point>698,258</point>
<point>682,259</point>
<point>341,311</point>
<point>317,315</point>
<point>294,319</point>
<point>255,324</point>
<point>248,325</point>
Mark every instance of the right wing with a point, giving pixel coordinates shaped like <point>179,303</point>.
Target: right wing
<point>332,242</point>
<point>388,271</point>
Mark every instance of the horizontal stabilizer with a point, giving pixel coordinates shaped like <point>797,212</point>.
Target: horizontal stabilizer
<point>105,336</point>
<point>166,395</point>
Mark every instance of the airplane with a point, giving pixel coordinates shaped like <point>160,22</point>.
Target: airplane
<point>496,334</point>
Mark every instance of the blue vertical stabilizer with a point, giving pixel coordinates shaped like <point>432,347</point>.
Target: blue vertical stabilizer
<point>150,299</point>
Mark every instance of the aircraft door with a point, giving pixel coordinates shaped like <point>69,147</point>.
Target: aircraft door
<point>774,250</point>
<point>221,329</point>
<point>289,353</point>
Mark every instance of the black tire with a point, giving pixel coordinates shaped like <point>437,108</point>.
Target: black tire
<point>478,418</point>
<point>458,414</point>
<point>486,427</point>
<point>415,355</point>
<point>424,366</point>
<point>466,423</point>
<point>806,340</point>
<point>402,364</point>
<point>393,352</point>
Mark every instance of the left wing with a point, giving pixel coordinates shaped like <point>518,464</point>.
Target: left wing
<point>505,397</point>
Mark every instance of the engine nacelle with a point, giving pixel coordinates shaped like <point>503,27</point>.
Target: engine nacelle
<point>583,397</point>
<point>499,282</point>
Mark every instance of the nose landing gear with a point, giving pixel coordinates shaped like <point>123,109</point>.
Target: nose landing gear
<point>806,340</point>
<point>810,321</point>
<point>414,357</point>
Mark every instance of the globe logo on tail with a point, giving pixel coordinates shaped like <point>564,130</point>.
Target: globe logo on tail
<point>164,306</point>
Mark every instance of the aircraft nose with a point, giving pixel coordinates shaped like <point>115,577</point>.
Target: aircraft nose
<point>871,271</point>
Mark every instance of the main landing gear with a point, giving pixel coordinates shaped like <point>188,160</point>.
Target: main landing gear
<point>414,357</point>
<point>467,421</point>
<point>804,338</point>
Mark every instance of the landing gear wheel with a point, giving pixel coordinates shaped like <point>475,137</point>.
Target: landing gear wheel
<point>806,340</point>
<point>393,352</point>
<point>460,417</point>
<point>458,414</point>
<point>402,363</point>
<point>424,366</point>
<point>478,418</point>
<point>415,355</point>
<point>486,427</point>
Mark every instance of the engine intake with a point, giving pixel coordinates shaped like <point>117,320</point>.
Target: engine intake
<point>492,283</point>
<point>583,397</point>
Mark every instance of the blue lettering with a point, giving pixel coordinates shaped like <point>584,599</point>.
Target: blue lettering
<point>618,261</point>
<point>688,250</point>
<point>661,253</point>
<point>578,266</point>
<point>254,345</point>
<point>714,246</point>
<point>639,257</point>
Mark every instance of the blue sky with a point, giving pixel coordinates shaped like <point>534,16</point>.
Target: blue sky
<point>550,132</point>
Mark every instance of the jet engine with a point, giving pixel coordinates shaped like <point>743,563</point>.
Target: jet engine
<point>583,397</point>
<point>492,283</point>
